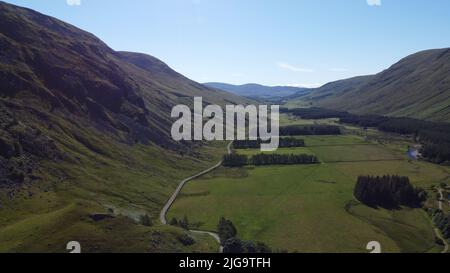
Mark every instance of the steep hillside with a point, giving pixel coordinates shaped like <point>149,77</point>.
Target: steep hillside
<point>258,91</point>
<point>85,131</point>
<point>417,86</point>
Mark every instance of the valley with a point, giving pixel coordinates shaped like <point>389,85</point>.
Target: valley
<point>90,151</point>
<point>311,208</point>
<point>85,146</point>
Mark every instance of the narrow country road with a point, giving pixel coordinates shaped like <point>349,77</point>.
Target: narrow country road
<point>168,205</point>
<point>442,198</point>
<point>439,235</point>
<point>436,230</point>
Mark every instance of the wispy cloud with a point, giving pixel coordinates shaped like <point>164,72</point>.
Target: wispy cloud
<point>374,2</point>
<point>73,2</point>
<point>294,68</point>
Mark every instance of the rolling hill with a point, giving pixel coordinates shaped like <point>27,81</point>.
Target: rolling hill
<point>257,90</point>
<point>85,146</point>
<point>417,86</point>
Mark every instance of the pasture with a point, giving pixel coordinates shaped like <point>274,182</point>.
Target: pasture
<point>311,208</point>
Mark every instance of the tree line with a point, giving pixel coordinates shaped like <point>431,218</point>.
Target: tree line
<point>237,160</point>
<point>286,159</point>
<point>308,130</point>
<point>434,136</point>
<point>285,142</point>
<point>436,153</point>
<point>234,160</point>
<point>389,191</point>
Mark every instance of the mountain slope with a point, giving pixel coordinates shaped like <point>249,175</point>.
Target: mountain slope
<point>258,91</point>
<point>71,70</point>
<point>85,131</point>
<point>417,86</point>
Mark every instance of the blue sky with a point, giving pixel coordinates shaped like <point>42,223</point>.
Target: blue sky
<point>272,42</point>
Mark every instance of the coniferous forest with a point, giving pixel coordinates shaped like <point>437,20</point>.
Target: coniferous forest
<point>434,136</point>
<point>236,160</point>
<point>389,191</point>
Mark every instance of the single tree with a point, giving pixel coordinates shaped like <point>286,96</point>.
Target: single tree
<point>146,221</point>
<point>174,222</point>
<point>226,229</point>
<point>184,223</point>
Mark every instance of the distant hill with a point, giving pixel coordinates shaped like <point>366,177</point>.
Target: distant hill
<point>418,86</point>
<point>85,131</point>
<point>258,91</point>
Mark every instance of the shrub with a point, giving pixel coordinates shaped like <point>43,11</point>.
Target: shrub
<point>186,240</point>
<point>174,222</point>
<point>184,223</point>
<point>146,221</point>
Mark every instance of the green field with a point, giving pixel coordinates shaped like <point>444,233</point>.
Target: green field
<point>286,119</point>
<point>311,141</point>
<point>130,181</point>
<point>311,208</point>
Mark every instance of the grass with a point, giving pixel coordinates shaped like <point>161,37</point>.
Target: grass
<point>119,234</point>
<point>287,119</point>
<point>332,140</point>
<point>410,227</point>
<point>306,208</point>
<point>131,180</point>
<point>354,153</point>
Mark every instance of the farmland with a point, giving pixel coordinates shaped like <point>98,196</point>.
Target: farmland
<point>312,208</point>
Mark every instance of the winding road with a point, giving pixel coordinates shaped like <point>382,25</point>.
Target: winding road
<point>168,205</point>
<point>439,235</point>
<point>436,230</point>
<point>442,198</point>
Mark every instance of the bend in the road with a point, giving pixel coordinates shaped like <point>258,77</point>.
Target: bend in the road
<point>168,205</point>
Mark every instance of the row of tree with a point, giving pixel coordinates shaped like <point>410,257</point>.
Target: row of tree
<point>234,160</point>
<point>285,142</point>
<point>389,191</point>
<point>237,160</point>
<point>280,159</point>
<point>308,130</point>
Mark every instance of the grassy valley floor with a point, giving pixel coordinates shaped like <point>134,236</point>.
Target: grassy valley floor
<point>311,208</point>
